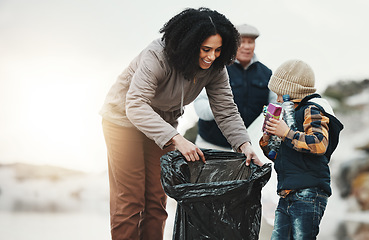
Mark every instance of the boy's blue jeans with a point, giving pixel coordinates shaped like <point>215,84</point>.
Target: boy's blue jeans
<point>298,215</point>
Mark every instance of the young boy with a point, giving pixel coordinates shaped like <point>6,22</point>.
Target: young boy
<point>302,160</point>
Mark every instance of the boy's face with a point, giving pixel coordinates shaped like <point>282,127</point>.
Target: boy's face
<point>279,98</point>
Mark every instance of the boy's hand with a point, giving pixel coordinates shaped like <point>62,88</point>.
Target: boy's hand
<point>277,127</point>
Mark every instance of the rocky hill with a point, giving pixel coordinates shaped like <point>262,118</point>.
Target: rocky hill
<point>350,162</point>
<point>33,188</point>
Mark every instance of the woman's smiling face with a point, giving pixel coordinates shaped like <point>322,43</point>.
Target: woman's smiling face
<point>210,49</point>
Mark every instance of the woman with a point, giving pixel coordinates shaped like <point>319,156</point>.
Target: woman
<point>141,111</point>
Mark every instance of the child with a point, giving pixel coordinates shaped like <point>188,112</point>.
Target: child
<point>302,160</point>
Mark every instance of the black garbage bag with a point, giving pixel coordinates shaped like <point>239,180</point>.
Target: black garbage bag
<point>220,199</point>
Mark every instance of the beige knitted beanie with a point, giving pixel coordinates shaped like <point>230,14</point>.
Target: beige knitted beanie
<point>293,77</point>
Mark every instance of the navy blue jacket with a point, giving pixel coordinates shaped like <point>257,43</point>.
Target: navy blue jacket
<point>250,92</point>
<point>299,170</point>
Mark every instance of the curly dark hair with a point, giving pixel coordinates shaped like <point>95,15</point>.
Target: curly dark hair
<point>184,33</point>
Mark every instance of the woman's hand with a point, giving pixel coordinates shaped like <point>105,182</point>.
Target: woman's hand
<point>189,150</point>
<point>277,127</point>
<point>247,149</point>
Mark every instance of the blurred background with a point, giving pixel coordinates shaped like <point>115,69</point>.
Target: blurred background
<point>58,59</point>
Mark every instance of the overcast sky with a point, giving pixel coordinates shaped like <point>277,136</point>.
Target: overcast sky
<point>59,58</point>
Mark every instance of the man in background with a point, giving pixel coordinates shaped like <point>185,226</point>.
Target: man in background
<point>249,82</point>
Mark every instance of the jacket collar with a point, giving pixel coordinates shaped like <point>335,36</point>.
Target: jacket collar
<point>254,59</point>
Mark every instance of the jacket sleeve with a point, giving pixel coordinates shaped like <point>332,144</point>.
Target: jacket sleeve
<point>264,147</point>
<point>139,97</point>
<point>314,138</point>
<point>225,110</point>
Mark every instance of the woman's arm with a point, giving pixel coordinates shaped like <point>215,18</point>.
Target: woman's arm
<point>228,118</point>
<point>142,91</point>
<point>225,111</point>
